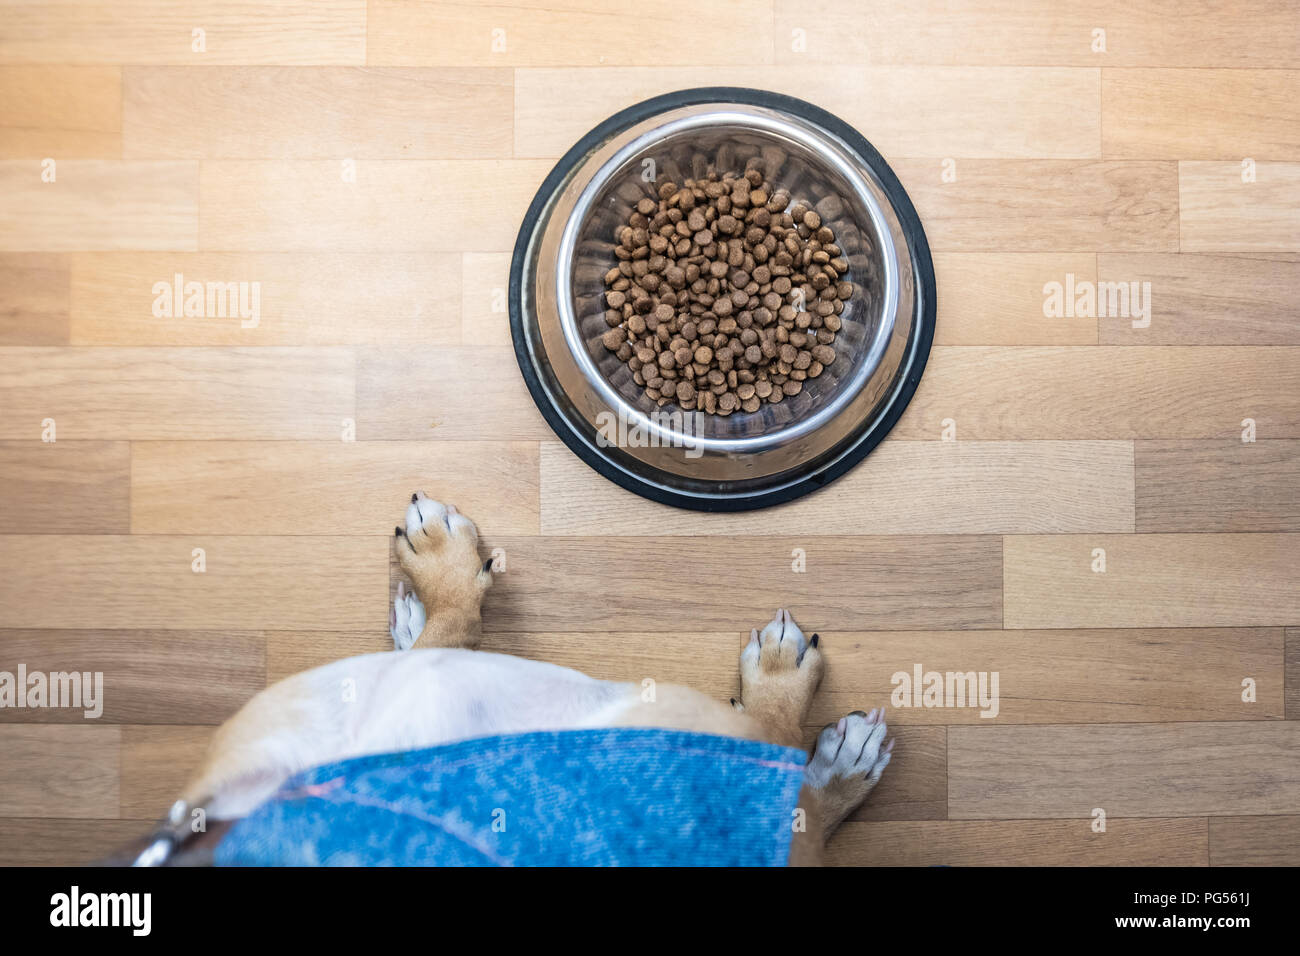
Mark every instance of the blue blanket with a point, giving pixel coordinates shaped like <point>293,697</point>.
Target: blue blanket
<point>608,797</point>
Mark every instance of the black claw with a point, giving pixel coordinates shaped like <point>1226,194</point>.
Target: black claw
<point>814,639</point>
<point>733,702</point>
<point>415,496</point>
<point>398,532</point>
<point>487,565</point>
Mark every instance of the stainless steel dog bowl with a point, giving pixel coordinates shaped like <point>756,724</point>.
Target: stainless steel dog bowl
<point>746,460</point>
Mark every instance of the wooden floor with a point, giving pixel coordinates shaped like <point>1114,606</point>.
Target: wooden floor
<point>368,165</point>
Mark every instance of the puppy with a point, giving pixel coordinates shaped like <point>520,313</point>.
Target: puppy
<point>439,688</point>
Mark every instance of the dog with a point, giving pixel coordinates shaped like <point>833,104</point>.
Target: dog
<point>437,687</point>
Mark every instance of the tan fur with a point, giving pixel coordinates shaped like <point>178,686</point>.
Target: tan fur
<point>448,578</point>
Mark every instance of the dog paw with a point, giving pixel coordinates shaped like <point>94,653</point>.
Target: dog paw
<point>406,619</point>
<point>779,673</point>
<point>846,765</point>
<point>437,549</point>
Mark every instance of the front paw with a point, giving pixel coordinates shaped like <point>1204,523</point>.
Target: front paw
<point>437,549</point>
<point>851,755</point>
<point>779,673</point>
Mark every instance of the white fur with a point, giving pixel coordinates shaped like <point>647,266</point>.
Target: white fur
<point>390,701</point>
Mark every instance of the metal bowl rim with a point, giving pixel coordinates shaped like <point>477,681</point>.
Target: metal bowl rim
<point>772,124</point>
<point>910,369</point>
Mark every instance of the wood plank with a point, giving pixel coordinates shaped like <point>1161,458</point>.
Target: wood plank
<point>149,677</point>
<point>1128,770</point>
<point>1201,114</point>
<point>999,298</point>
<point>1220,213</point>
<point>1255,841</point>
<point>1000,32</point>
<point>971,488</point>
<point>405,299</point>
<point>1126,842</point>
<point>288,652</point>
<point>464,394</point>
<point>1218,486</point>
<point>1051,677</point>
<point>602,584</point>
<point>915,787</point>
<point>1011,112</point>
<point>160,31</point>
<point>1037,205</point>
<point>1293,673</point>
<point>41,480</point>
<point>361,487</point>
<point>33,299</point>
<point>1152,580</point>
<point>60,111</point>
<point>1206,299</point>
<point>277,112</point>
<point>98,204</point>
<point>146,581</point>
<point>59,770</point>
<point>190,394</point>
<point>157,762</point>
<point>46,841</point>
<point>393,206</point>
<point>1002,394</point>
<point>567,33</point>
<point>484,309</point>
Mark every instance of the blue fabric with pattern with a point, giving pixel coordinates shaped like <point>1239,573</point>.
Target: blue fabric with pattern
<point>607,797</point>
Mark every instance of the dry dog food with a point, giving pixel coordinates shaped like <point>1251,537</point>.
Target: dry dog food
<point>725,295</point>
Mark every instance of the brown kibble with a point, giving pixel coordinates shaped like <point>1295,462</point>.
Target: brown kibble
<point>696,295</point>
